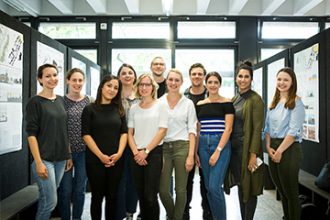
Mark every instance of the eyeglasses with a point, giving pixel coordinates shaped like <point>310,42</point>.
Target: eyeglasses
<point>144,85</point>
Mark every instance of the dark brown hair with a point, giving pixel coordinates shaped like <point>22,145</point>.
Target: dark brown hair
<point>128,66</point>
<point>116,99</point>
<point>214,73</point>
<point>245,65</point>
<point>197,65</point>
<point>291,102</point>
<point>41,70</point>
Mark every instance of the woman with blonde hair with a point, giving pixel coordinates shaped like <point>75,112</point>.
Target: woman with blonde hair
<point>179,146</point>
<point>147,126</point>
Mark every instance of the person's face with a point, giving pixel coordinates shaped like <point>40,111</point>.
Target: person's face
<point>126,76</point>
<point>173,82</point>
<point>49,78</point>
<point>110,90</point>
<point>145,87</point>
<point>197,76</point>
<point>243,80</point>
<point>213,85</point>
<point>158,67</point>
<point>283,82</point>
<point>76,82</point>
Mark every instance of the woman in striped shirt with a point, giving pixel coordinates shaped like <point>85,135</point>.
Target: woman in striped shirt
<point>215,115</point>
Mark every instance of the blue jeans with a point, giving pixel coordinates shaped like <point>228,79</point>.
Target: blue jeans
<point>127,197</point>
<point>72,188</point>
<point>48,187</point>
<point>214,176</point>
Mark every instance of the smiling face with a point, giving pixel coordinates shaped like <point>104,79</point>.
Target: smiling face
<point>197,76</point>
<point>109,90</point>
<point>76,82</point>
<point>127,76</point>
<point>213,85</point>
<point>243,80</point>
<point>49,78</point>
<point>174,81</point>
<point>158,66</point>
<point>145,87</point>
<point>283,82</point>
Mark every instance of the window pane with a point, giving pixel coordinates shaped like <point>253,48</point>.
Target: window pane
<point>266,53</point>
<point>89,53</point>
<point>71,30</point>
<point>327,25</point>
<point>220,60</point>
<point>210,30</point>
<point>289,30</point>
<point>140,30</point>
<point>140,59</point>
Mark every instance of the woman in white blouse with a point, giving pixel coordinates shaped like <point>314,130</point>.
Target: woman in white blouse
<point>147,126</point>
<point>179,146</point>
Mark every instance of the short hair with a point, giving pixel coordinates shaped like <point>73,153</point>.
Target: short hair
<point>197,65</point>
<point>153,83</point>
<point>157,57</point>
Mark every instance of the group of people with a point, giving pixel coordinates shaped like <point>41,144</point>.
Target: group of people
<point>129,140</point>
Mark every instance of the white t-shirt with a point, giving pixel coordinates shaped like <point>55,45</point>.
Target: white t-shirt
<point>182,119</point>
<point>146,122</point>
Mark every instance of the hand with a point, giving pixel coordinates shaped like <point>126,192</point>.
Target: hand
<point>42,170</point>
<point>69,164</point>
<point>105,159</point>
<point>114,158</point>
<point>214,158</point>
<point>271,152</point>
<point>140,158</point>
<point>189,163</point>
<point>252,166</point>
<point>197,160</point>
<point>277,157</point>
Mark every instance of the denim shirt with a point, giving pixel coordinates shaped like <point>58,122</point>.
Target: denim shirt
<point>281,121</point>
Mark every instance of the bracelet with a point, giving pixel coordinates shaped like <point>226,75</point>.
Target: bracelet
<point>219,149</point>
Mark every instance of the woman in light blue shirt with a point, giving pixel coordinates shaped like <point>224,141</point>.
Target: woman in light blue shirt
<point>283,135</point>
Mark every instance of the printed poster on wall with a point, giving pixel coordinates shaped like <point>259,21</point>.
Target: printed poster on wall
<point>47,54</point>
<point>81,65</point>
<point>257,81</point>
<point>11,79</point>
<point>306,67</point>
<point>95,81</point>
<point>273,68</point>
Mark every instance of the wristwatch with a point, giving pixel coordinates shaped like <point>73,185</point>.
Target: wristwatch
<point>219,149</point>
<point>147,151</point>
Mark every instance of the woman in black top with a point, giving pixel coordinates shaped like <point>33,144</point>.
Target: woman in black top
<point>46,126</point>
<point>104,131</point>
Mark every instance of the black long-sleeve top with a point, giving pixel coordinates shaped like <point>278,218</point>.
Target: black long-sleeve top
<point>47,120</point>
<point>105,125</point>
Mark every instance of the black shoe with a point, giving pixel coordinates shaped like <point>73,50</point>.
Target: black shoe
<point>139,217</point>
<point>186,216</point>
<point>207,215</point>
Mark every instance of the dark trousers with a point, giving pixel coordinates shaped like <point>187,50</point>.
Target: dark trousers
<point>285,177</point>
<point>203,191</point>
<point>126,196</point>
<point>104,183</point>
<point>147,179</point>
<point>247,209</point>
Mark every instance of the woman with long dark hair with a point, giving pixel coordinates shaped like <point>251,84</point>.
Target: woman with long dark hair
<point>104,131</point>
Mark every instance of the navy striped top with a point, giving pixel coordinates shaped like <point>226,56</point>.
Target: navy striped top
<point>212,116</point>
